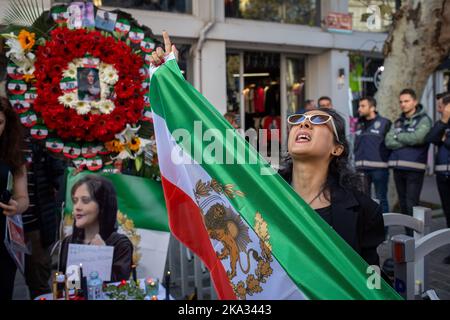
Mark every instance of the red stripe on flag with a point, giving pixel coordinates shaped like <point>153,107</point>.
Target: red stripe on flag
<point>186,224</point>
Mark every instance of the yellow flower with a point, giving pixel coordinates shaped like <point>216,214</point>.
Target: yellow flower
<point>114,146</point>
<point>26,39</point>
<point>119,215</point>
<point>135,239</point>
<point>136,257</point>
<point>134,144</point>
<point>128,225</point>
<point>28,77</point>
<point>118,146</point>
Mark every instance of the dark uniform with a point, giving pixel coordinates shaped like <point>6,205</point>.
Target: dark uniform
<point>406,139</point>
<point>440,137</point>
<point>371,156</point>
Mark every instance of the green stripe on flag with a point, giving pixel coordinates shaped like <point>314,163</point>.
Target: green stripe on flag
<point>319,261</point>
<point>139,198</point>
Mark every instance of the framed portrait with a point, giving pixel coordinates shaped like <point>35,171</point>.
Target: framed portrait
<point>88,84</point>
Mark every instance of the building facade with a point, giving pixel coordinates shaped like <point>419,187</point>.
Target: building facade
<point>264,59</point>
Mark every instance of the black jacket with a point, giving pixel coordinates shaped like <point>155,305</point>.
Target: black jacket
<point>356,218</point>
<point>436,133</point>
<point>48,177</point>
<point>359,221</point>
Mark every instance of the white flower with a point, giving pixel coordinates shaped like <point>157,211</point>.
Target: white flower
<point>102,66</point>
<point>31,56</point>
<point>124,154</point>
<point>26,67</point>
<point>69,100</point>
<point>144,145</point>
<point>78,62</point>
<point>104,90</point>
<point>109,75</point>
<point>15,49</point>
<point>106,107</point>
<point>71,71</point>
<point>82,107</point>
<point>127,134</point>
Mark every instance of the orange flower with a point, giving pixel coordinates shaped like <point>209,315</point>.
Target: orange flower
<point>28,77</point>
<point>26,39</point>
<point>134,144</point>
<point>114,146</point>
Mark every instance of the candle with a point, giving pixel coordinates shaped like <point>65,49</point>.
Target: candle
<point>167,285</point>
<point>83,283</point>
<point>133,269</point>
<point>154,298</point>
<point>151,286</point>
<point>81,271</point>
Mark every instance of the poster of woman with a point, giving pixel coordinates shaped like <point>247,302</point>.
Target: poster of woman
<point>88,84</point>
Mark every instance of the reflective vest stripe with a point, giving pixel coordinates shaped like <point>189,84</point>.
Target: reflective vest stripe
<point>407,164</point>
<point>374,164</point>
<point>442,167</point>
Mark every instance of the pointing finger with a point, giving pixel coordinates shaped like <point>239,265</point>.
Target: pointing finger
<point>167,42</point>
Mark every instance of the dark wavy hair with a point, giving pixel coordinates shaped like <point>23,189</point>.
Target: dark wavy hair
<point>103,192</point>
<point>340,171</point>
<point>11,140</point>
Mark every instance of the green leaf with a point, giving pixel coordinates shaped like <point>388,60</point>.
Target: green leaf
<point>138,163</point>
<point>26,14</point>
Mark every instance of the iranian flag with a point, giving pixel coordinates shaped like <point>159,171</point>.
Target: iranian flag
<point>256,236</point>
<point>142,217</point>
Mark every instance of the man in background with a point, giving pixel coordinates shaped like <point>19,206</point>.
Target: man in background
<point>325,102</point>
<point>440,137</point>
<point>409,153</point>
<point>371,154</point>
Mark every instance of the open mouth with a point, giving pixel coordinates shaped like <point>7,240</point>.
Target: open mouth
<point>303,137</point>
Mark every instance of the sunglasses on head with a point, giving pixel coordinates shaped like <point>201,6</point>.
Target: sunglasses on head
<point>296,119</point>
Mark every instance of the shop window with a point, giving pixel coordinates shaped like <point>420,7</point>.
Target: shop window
<point>365,74</point>
<point>372,15</point>
<point>260,91</point>
<point>178,6</point>
<point>305,12</point>
<point>183,60</point>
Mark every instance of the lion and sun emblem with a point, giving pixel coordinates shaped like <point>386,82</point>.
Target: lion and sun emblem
<point>227,227</point>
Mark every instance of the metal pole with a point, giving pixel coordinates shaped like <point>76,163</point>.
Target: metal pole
<point>198,278</point>
<point>284,103</point>
<point>241,91</point>
<point>421,265</point>
<point>184,271</point>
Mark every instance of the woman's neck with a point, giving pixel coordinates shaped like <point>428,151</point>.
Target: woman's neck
<point>90,232</point>
<point>308,179</point>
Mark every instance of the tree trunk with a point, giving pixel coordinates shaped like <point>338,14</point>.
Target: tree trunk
<point>418,42</point>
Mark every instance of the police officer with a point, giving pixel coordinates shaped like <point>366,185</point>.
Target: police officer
<point>440,137</point>
<point>406,139</point>
<point>371,154</point>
